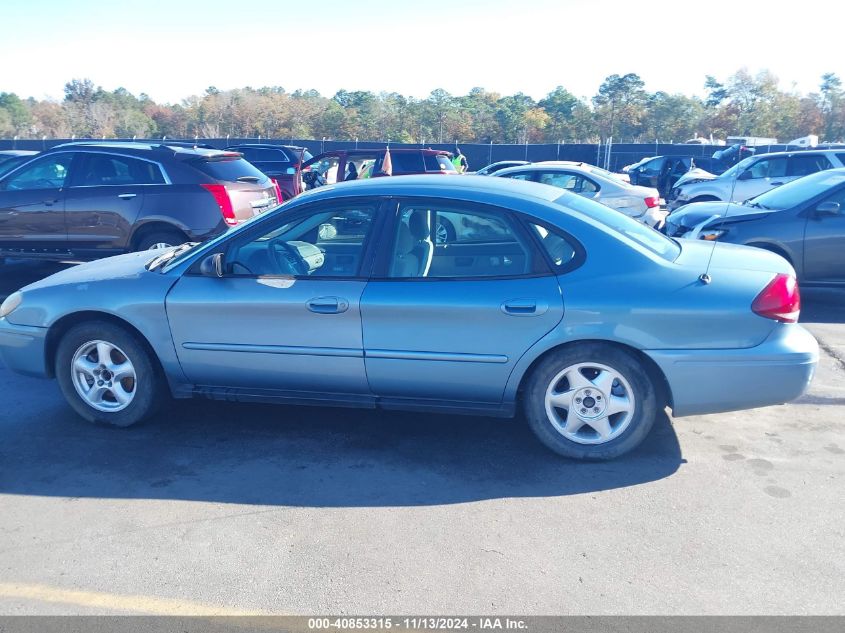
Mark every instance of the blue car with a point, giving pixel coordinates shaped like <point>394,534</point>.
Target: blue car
<point>546,303</point>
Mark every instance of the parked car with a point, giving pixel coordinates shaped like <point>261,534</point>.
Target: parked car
<point>803,221</point>
<point>11,158</point>
<point>642,203</point>
<point>660,172</point>
<point>343,165</point>
<point>752,176</point>
<point>280,162</point>
<point>383,317</point>
<point>623,176</point>
<point>492,168</point>
<point>90,200</point>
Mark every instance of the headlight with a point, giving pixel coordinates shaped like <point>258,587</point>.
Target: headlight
<point>11,302</point>
<point>711,235</point>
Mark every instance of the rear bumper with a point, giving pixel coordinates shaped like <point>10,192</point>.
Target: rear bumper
<point>711,381</point>
<point>22,349</point>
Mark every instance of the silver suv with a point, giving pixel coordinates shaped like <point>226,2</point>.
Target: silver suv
<point>752,176</point>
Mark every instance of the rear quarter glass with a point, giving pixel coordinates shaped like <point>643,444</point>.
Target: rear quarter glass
<point>229,169</point>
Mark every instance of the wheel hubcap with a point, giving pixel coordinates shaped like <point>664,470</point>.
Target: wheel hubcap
<point>590,403</point>
<point>442,234</point>
<point>103,376</point>
<point>159,245</point>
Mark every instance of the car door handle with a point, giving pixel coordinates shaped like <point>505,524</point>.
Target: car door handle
<point>126,196</point>
<point>328,305</point>
<point>776,184</point>
<point>524,307</point>
<point>50,203</point>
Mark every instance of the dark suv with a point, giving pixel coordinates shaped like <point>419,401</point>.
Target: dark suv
<point>91,200</point>
<point>277,161</point>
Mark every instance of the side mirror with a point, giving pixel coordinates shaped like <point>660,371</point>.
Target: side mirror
<point>212,266</point>
<point>829,208</point>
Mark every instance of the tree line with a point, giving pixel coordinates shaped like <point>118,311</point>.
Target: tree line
<point>742,104</point>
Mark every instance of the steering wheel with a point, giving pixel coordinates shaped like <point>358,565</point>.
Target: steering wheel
<point>288,259</point>
<point>313,179</point>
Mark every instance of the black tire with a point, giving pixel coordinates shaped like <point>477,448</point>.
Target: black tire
<point>645,407</point>
<point>171,238</point>
<point>451,234</point>
<point>149,388</point>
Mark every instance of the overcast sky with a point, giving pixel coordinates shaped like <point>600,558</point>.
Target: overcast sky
<point>176,48</point>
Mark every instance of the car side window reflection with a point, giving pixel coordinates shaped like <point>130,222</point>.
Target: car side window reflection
<point>47,173</point>
<point>325,244</point>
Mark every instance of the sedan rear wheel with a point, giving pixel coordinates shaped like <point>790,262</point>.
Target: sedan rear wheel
<point>590,401</point>
<point>107,375</point>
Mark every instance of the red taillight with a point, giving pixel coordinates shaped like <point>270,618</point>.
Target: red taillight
<point>780,300</point>
<point>652,201</point>
<point>221,196</point>
<point>278,190</point>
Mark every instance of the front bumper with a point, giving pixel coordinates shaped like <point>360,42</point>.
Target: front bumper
<point>23,349</point>
<point>712,381</point>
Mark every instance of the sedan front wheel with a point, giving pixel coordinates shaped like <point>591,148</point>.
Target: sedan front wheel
<point>107,375</point>
<point>590,401</point>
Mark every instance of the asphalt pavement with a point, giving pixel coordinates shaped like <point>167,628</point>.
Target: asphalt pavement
<point>230,509</point>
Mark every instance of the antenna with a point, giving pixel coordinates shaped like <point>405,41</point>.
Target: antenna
<point>705,277</point>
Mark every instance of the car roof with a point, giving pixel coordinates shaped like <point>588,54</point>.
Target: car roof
<point>18,152</point>
<point>797,151</point>
<point>584,168</point>
<point>139,148</point>
<point>266,146</point>
<point>397,150</point>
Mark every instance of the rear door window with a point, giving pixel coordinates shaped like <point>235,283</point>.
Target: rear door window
<point>103,170</point>
<point>806,164</point>
<point>769,168</point>
<point>229,169</point>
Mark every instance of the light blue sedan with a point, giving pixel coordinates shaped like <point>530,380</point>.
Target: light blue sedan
<point>583,319</point>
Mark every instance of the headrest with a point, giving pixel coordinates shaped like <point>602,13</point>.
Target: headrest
<point>405,241</point>
<point>418,223</point>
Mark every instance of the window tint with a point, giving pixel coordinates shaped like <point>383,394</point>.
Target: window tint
<point>439,243</point>
<point>769,168</point>
<point>102,169</point>
<point>46,173</point>
<point>263,154</point>
<point>803,165</point>
<point>438,162</point>
<point>558,248</point>
<point>229,169</point>
<point>841,158</point>
<point>325,244</point>
<point>407,163</point>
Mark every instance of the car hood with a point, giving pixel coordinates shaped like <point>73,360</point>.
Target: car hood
<point>695,175</point>
<point>129,266</point>
<point>691,215</point>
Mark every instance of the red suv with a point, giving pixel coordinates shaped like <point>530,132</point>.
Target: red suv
<point>342,165</point>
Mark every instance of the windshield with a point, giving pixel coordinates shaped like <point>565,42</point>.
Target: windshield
<point>738,168</point>
<point>620,223</point>
<point>182,256</point>
<point>798,191</point>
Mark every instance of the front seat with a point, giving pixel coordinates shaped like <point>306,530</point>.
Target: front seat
<point>423,247</point>
<point>405,262</point>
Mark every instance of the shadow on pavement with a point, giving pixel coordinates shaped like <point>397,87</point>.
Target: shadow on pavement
<point>292,456</point>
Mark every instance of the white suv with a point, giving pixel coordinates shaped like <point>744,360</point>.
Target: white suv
<point>752,176</point>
